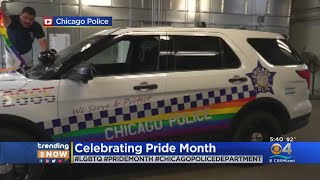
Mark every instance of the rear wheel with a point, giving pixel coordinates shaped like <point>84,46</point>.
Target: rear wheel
<point>18,171</point>
<point>257,127</point>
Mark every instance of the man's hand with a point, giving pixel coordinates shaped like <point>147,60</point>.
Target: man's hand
<point>43,43</point>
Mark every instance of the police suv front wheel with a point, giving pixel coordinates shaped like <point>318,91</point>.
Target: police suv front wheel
<point>18,171</point>
<point>257,127</point>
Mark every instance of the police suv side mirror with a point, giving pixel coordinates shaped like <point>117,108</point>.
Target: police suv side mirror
<point>81,73</point>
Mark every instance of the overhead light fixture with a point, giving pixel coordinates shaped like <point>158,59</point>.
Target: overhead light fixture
<point>191,5</point>
<point>97,2</point>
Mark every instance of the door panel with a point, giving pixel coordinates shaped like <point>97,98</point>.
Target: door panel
<point>115,107</point>
<point>106,101</point>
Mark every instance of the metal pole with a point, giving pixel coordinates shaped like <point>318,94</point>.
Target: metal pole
<point>60,7</point>
<point>3,5</point>
<point>152,13</point>
<point>186,13</point>
<point>159,11</point>
<point>130,13</point>
<point>197,16</point>
<point>209,12</point>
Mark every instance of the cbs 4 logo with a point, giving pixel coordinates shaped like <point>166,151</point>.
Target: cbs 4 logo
<point>277,149</point>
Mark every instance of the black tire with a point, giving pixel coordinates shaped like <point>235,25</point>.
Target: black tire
<point>257,122</point>
<point>20,171</point>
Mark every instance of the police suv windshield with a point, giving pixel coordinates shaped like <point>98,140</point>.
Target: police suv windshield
<point>63,56</point>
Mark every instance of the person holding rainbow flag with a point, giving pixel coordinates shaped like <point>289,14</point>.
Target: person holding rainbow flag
<point>19,32</point>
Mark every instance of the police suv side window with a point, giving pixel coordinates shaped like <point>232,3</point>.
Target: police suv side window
<point>197,53</point>
<point>194,53</point>
<point>166,55</point>
<point>277,52</point>
<point>130,55</point>
<point>112,60</point>
<point>116,54</point>
<point>230,59</point>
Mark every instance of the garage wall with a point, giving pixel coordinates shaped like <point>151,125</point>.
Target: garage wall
<point>263,15</point>
<point>305,28</point>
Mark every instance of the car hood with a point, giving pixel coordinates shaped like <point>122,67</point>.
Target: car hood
<point>12,80</point>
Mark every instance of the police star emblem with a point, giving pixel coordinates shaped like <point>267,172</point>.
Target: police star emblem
<point>262,79</point>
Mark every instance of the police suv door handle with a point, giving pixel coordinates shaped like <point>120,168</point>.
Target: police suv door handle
<point>238,79</point>
<point>145,87</point>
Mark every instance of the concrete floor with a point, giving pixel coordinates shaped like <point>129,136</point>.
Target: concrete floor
<point>203,172</point>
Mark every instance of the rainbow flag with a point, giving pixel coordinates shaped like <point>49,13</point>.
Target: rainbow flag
<point>9,46</point>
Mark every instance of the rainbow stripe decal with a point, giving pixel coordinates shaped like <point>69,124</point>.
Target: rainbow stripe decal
<point>201,119</point>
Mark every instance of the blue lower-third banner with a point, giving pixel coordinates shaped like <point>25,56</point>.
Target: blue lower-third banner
<point>160,152</point>
<point>77,21</point>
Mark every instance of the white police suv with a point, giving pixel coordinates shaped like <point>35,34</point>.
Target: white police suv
<point>142,84</point>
